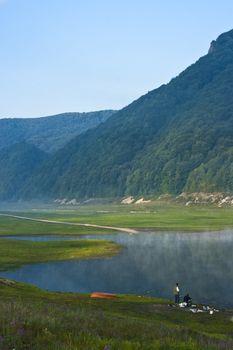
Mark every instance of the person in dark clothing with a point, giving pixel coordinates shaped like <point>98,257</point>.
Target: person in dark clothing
<point>188,300</point>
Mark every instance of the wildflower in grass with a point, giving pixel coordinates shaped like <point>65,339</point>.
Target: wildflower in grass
<point>13,323</point>
<point>20,331</point>
<point>107,347</point>
<point>1,339</point>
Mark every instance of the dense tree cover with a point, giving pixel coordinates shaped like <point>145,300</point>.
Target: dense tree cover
<point>17,164</point>
<point>194,152</point>
<point>177,137</point>
<point>49,133</point>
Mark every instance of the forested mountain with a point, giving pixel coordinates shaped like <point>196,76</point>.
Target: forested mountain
<point>49,133</point>
<point>17,164</point>
<point>177,137</point>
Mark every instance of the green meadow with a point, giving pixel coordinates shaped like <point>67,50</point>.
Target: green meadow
<point>12,226</point>
<point>15,253</point>
<point>155,216</point>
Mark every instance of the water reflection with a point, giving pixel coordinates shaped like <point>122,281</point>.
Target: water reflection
<point>149,264</point>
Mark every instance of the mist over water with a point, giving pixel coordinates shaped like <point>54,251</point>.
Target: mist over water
<point>150,263</point>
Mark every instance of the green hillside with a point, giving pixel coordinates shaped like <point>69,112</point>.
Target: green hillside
<point>31,318</point>
<point>49,133</point>
<point>177,137</point>
<point>17,164</point>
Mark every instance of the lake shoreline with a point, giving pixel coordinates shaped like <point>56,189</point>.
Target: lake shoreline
<point>130,271</point>
<point>34,318</point>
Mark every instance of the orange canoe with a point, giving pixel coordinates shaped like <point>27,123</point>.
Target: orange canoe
<point>100,295</point>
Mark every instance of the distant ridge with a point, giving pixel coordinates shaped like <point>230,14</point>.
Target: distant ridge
<point>49,133</point>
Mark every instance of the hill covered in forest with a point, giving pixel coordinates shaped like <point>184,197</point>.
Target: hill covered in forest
<point>49,133</point>
<point>18,163</point>
<point>176,138</point>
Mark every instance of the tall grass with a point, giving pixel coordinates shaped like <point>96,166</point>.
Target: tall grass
<point>34,319</point>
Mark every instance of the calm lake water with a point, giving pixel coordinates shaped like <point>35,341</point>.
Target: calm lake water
<point>150,263</point>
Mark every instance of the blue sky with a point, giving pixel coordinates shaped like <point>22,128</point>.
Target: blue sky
<point>71,55</point>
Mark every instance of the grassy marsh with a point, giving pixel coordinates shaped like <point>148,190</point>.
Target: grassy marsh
<point>13,227</point>
<point>156,216</point>
<point>15,253</point>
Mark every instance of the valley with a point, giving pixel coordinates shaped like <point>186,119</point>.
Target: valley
<point>136,319</point>
<point>129,202</point>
